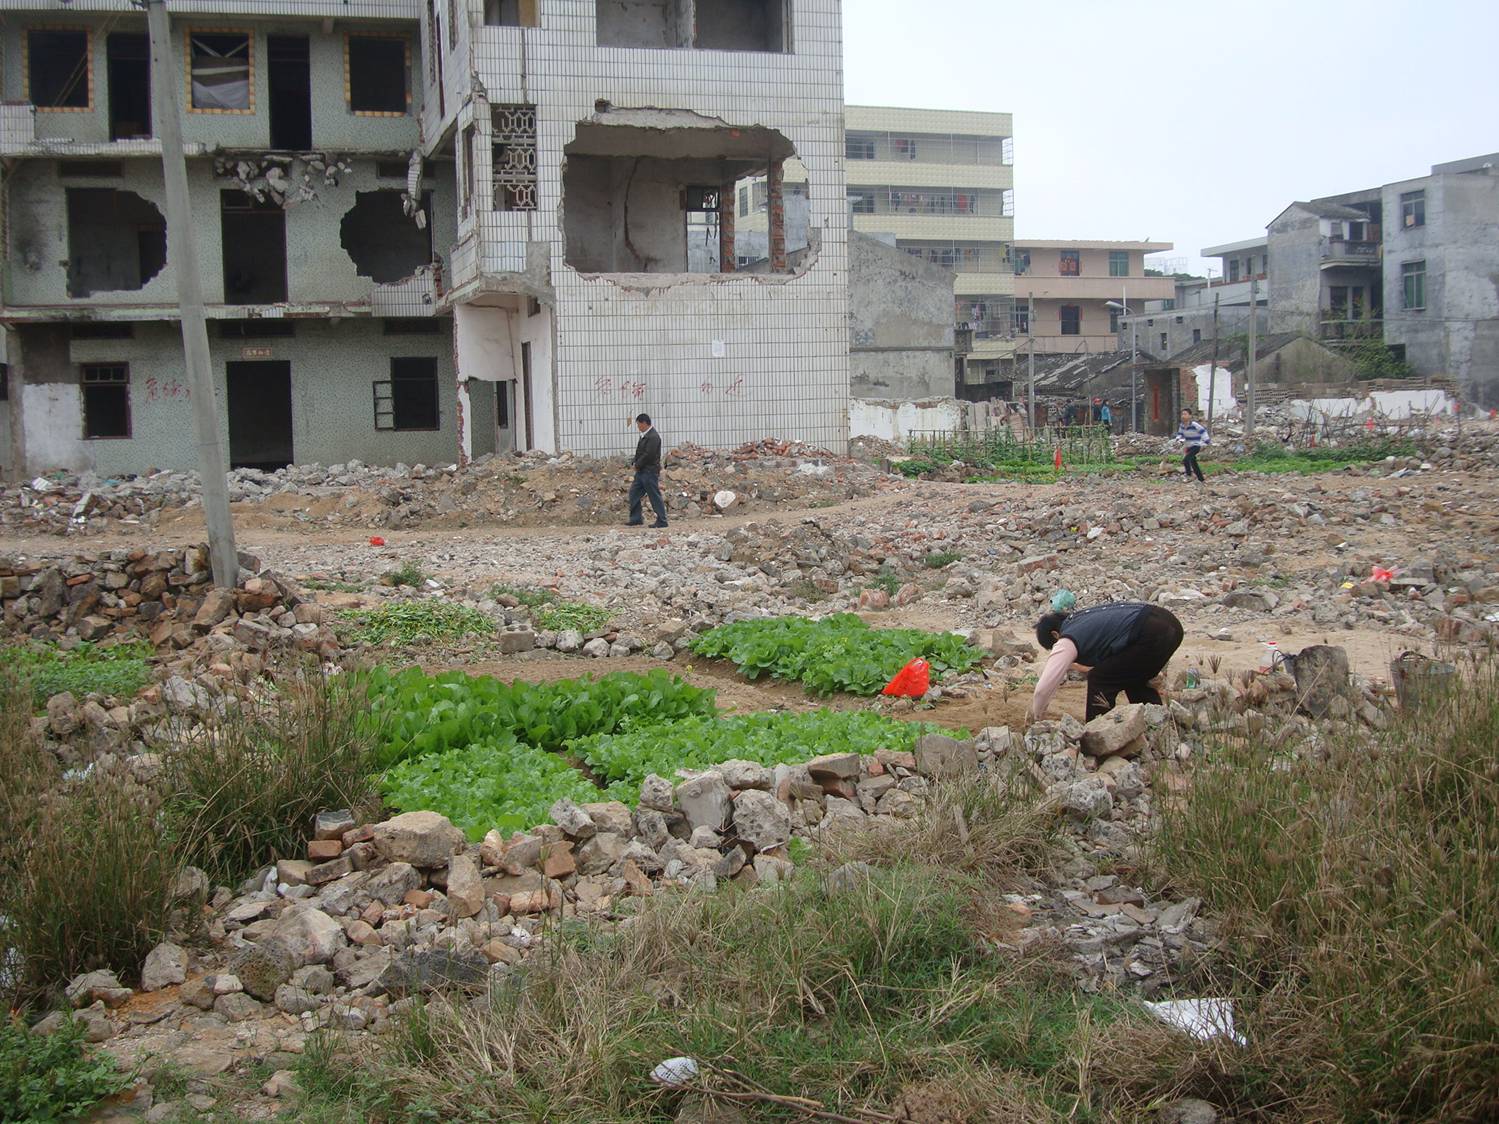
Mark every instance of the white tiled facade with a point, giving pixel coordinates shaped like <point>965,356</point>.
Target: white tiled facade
<point>716,359</point>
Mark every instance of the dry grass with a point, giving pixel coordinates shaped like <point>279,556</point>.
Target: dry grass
<point>85,881</point>
<point>246,784</point>
<point>1360,906</point>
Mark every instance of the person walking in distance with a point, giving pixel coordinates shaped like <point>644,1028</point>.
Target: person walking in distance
<point>1123,646</point>
<point>1196,435</point>
<point>647,482</point>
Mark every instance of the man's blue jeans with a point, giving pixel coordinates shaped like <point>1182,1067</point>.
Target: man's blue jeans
<point>647,485</point>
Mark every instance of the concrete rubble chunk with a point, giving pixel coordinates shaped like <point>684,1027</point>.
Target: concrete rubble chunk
<point>1115,732</point>
<point>705,801</point>
<point>747,774</point>
<point>423,839</point>
<point>165,965</point>
<point>761,820</point>
<point>610,815</point>
<point>572,819</point>
<point>465,887</point>
<point>332,825</point>
<point>835,767</point>
<point>1321,673</point>
<point>415,972</point>
<point>309,935</point>
<point>940,756</point>
<point>263,967</point>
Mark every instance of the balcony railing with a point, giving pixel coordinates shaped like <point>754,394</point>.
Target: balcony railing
<point>1336,249</point>
<point>1332,329</point>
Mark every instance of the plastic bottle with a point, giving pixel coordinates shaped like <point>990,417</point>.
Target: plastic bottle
<point>1192,677</point>
<point>1272,655</point>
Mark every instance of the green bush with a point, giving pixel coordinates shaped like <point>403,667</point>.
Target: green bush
<point>85,880</point>
<point>550,612</point>
<point>420,714</point>
<point>118,670</point>
<point>496,783</point>
<point>247,783</point>
<point>837,653</point>
<point>52,1077</point>
<point>626,759</point>
<point>407,573</point>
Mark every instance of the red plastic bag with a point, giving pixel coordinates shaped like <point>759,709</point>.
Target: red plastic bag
<point>911,681</point>
<point>1380,574</point>
<point>376,540</point>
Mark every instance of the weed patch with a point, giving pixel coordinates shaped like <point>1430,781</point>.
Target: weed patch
<point>941,559</point>
<point>837,653</point>
<point>118,670</point>
<point>403,624</point>
<point>52,1077</point>
<point>551,613</point>
<point>407,574</point>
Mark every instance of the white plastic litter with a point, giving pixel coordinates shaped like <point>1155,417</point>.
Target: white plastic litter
<point>675,1072</point>
<point>724,499</point>
<point>1201,1018</point>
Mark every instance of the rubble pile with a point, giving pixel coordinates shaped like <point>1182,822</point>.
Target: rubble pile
<point>529,489</point>
<point>167,597</point>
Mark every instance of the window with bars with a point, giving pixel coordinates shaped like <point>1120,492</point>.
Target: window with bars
<point>859,148</point>
<point>106,400</point>
<point>861,202</point>
<point>408,399</point>
<point>513,167</point>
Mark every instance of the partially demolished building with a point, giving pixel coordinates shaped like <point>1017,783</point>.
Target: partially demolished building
<point>427,231</point>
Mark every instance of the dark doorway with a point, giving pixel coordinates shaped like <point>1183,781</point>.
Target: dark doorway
<point>254,250</point>
<point>260,415</point>
<point>290,72</point>
<point>525,385</point>
<point>129,59</point>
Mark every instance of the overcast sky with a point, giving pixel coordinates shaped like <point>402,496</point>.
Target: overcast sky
<point>1193,123</point>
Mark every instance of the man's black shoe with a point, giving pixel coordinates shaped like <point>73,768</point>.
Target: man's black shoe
<point>658,525</point>
<point>632,524</point>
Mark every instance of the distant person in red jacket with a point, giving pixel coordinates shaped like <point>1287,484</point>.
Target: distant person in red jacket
<point>1124,645</point>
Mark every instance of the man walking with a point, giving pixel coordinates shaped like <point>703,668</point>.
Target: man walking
<point>1124,645</point>
<point>647,483</point>
<point>1196,435</point>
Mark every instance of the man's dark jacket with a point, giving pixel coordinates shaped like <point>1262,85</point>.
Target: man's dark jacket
<point>648,452</point>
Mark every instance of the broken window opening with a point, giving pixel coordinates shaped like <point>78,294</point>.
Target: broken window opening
<point>91,169</point>
<point>512,13</point>
<point>106,400</point>
<point>289,79</point>
<point>382,241</point>
<point>254,240</point>
<point>59,71</point>
<point>378,72</point>
<point>128,67</point>
<point>117,241</point>
<point>408,399</point>
<point>1071,316</point>
<point>719,25</point>
<point>411,325</point>
<point>513,166</point>
<point>1413,208</point>
<point>219,68</point>
<point>663,200</point>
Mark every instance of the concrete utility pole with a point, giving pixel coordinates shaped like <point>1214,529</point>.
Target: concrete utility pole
<point>1030,332</point>
<point>183,247</point>
<point>1254,315</point>
<point>1213,370</point>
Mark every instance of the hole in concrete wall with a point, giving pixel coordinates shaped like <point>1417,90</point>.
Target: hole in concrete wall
<point>254,236</point>
<point>383,242</point>
<point>661,196</point>
<point>722,25</point>
<point>512,13</point>
<point>644,23</point>
<point>116,240</point>
<point>742,25</point>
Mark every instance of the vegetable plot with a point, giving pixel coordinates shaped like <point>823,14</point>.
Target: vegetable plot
<point>837,653</point>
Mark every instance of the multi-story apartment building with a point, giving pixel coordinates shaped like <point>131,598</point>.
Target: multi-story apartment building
<point>1409,263</point>
<point>1080,291</point>
<point>942,184</point>
<point>428,231</point>
<point>322,241</point>
<point>602,147</point>
<point>1186,319</point>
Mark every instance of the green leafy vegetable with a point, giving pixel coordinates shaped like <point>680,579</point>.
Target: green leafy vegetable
<point>403,623</point>
<point>120,670</point>
<point>838,653</point>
